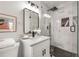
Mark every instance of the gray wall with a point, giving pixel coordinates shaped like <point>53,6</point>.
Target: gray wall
<point>78,28</point>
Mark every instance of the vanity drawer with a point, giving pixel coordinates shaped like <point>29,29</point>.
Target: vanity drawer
<point>41,49</point>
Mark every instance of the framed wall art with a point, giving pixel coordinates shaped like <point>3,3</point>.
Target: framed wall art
<point>65,22</point>
<point>7,23</point>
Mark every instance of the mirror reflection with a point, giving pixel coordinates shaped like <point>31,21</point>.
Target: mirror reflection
<point>31,20</point>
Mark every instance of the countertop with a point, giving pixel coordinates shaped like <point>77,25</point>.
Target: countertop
<point>35,40</point>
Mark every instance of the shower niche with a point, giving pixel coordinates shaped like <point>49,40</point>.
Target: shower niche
<point>31,20</point>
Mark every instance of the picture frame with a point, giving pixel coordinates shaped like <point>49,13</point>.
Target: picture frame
<point>65,22</point>
<point>7,23</point>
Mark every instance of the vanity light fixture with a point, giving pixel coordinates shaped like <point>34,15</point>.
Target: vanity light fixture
<point>28,1</point>
<point>32,4</point>
<point>47,15</point>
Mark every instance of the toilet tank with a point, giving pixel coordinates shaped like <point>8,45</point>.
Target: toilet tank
<point>8,47</point>
<point>10,51</point>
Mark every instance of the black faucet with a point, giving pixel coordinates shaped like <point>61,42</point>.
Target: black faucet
<point>33,34</point>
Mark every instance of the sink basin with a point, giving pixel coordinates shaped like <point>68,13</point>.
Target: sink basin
<point>35,40</point>
<point>27,37</point>
<point>30,36</point>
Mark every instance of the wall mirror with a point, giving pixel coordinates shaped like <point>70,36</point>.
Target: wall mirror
<point>31,20</point>
<point>7,23</point>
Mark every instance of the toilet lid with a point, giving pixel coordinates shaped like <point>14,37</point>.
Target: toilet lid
<point>6,42</point>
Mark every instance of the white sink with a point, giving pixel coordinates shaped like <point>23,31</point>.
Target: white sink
<point>30,37</point>
<point>34,40</point>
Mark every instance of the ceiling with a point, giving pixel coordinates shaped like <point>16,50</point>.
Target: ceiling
<point>51,4</point>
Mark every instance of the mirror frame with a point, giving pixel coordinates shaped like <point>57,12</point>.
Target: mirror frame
<point>24,19</point>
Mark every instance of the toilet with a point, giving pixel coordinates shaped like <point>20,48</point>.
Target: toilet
<point>9,48</point>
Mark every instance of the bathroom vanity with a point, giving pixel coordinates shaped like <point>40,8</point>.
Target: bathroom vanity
<point>36,47</point>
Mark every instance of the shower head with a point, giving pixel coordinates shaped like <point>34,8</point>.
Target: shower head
<point>53,9</point>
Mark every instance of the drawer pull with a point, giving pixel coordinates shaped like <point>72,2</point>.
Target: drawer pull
<point>43,52</point>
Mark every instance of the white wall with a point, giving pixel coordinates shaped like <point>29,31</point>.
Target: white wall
<point>14,8</point>
<point>61,36</point>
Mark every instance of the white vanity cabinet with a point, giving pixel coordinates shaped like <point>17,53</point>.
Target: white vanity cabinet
<point>36,47</point>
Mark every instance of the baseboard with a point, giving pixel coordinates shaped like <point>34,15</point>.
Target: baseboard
<point>58,52</point>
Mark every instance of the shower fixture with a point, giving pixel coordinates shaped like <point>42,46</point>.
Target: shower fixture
<point>53,9</point>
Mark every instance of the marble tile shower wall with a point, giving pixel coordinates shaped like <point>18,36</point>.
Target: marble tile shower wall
<point>61,36</point>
